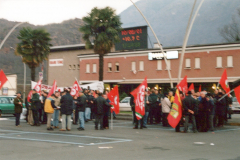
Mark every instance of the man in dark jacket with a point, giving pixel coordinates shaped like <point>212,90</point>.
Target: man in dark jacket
<point>154,108</point>
<point>81,105</point>
<point>147,103</point>
<point>18,103</point>
<point>132,104</point>
<point>220,109</point>
<point>101,103</point>
<point>35,105</point>
<point>189,106</point>
<point>203,113</point>
<point>211,111</point>
<point>66,110</point>
<point>42,114</point>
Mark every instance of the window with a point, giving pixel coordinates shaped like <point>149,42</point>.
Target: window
<point>70,67</point>
<point>219,62</point>
<point>197,63</point>
<point>169,64</point>
<point>74,66</point>
<point>133,66</point>
<point>229,61</point>
<point>187,63</point>
<point>117,67</point>
<point>87,68</point>
<point>109,67</point>
<point>78,67</point>
<point>141,66</point>
<point>94,68</point>
<point>159,65</point>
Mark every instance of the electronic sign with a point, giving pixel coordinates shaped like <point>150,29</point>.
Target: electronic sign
<point>132,38</point>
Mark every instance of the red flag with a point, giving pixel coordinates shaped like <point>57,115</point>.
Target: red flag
<point>191,87</point>
<point>113,96</point>
<point>175,114</point>
<point>183,86</point>
<point>200,88</point>
<point>3,78</point>
<point>139,96</point>
<point>38,89</point>
<point>237,93</point>
<point>53,89</point>
<point>224,82</point>
<point>75,89</point>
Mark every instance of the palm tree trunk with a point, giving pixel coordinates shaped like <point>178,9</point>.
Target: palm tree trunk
<point>101,62</point>
<point>32,73</point>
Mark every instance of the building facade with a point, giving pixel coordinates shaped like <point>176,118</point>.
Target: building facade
<point>10,87</point>
<point>202,64</point>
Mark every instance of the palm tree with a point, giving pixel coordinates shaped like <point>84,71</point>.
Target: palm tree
<point>103,26</point>
<point>34,47</point>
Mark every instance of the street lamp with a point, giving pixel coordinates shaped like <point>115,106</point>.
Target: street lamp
<point>24,79</point>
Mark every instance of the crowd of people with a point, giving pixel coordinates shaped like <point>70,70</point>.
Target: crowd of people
<point>61,107</point>
<point>204,110</point>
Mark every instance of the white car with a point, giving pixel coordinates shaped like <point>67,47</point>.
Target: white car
<point>124,104</point>
<point>235,105</point>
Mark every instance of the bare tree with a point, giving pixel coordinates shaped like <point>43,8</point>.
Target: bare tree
<point>231,32</point>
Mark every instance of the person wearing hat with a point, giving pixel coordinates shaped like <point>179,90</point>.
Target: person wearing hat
<point>18,103</point>
<point>189,107</point>
<point>35,105</point>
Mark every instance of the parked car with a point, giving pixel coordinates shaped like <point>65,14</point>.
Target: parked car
<point>124,104</point>
<point>235,105</point>
<point>7,106</point>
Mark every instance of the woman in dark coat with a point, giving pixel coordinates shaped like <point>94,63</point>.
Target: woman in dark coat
<point>18,103</point>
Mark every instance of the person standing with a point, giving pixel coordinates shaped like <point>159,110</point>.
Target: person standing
<point>166,107</point>
<point>88,106</point>
<point>57,103</point>
<point>42,114</point>
<point>147,103</point>
<point>211,111</point>
<point>81,105</point>
<point>203,113</point>
<point>75,111</point>
<point>18,103</point>
<point>220,109</point>
<point>154,108</point>
<point>35,105</point>
<point>66,110</point>
<point>49,110</point>
<point>106,112</point>
<point>101,103</point>
<point>132,104</point>
<point>189,106</point>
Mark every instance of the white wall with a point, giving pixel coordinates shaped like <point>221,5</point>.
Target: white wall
<point>11,84</point>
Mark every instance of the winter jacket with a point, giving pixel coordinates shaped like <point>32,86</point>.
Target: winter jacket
<point>36,103</point>
<point>211,107</point>
<point>189,103</point>
<point>155,102</point>
<point>147,106</point>
<point>101,103</point>
<point>166,105</point>
<point>220,106</point>
<point>81,103</point>
<point>49,105</point>
<point>18,107</point>
<point>66,104</point>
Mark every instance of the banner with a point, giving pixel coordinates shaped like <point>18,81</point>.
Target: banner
<point>183,86</point>
<point>75,89</point>
<point>113,96</point>
<point>3,78</point>
<point>175,114</point>
<point>94,86</point>
<point>224,82</point>
<point>38,89</point>
<point>53,89</point>
<point>139,96</point>
<point>45,87</point>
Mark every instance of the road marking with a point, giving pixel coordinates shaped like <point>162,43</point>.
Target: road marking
<point>113,140</point>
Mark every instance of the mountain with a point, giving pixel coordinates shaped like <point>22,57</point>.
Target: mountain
<point>64,33</point>
<point>169,20</point>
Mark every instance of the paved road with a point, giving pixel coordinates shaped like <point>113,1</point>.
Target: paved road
<point>123,142</point>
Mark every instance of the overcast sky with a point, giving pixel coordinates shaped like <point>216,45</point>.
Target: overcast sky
<point>40,12</point>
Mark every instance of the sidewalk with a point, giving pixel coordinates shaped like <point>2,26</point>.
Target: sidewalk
<point>235,121</point>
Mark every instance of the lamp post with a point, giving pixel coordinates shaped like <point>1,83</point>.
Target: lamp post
<point>24,79</point>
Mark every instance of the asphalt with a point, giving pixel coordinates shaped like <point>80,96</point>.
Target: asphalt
<point>122,142</point>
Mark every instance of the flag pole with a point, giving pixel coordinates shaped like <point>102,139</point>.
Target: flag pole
<point>226,95</point>
<point>111,120</point>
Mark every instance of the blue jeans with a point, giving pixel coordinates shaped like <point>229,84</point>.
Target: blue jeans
<point>55,117</point>
<point>145,118</point>
<point>88,113</point>
<point>81,119</point>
